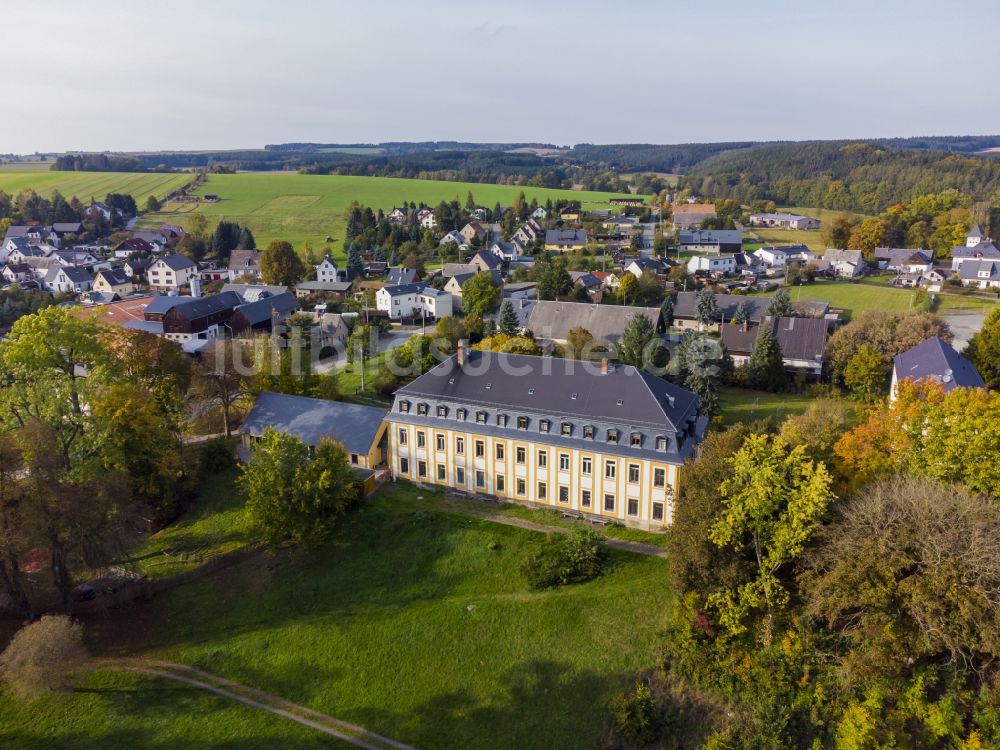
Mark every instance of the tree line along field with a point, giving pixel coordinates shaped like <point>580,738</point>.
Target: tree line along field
<point>87,185</point>
<point>309,208</point>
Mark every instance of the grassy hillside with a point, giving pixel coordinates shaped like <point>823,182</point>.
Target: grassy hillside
<point>301,208</point>
<point>85,185</point>
<point>414,621</point>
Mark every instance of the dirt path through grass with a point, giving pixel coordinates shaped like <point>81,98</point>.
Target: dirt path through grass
<point>350,733</point>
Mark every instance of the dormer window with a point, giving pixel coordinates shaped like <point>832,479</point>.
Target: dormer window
<point>543,425</point>
<point>567,428</point>
<point>442,410</point>
<point>661,443</point>
<point>612,436</point>
<point>461,414</point>
<point>636,439</point>
<point>588,432</point>
<point>421,409</point>
<point>502,420</point>
<point>522,423</point>
<point>404,407</point>
<point>481,417</point>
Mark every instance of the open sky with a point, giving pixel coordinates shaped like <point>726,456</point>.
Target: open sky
<point>182,74</point>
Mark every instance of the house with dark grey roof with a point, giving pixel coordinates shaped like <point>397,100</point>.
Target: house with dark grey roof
<point>187,318</point>
<point>983,274</point>
<point>359,429</point>
<point>552,320</point>
<point>68,279</point>
<point>265,315</point>
<point>903,259</point>
<point>114,281</point>
<point>255,292</point>
<point>711,240</point>
<point>592,439</point>
<point>802,341</point>
<point>171,272</point>
<point>243,262</point>
<point>565,240</point>
<point>400,275</point>
<point>935,360</point>
<point>985,250</point>
<point>849,263</point>
<point>686,305</point>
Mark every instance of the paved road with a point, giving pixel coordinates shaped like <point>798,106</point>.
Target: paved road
<point>391,340</point>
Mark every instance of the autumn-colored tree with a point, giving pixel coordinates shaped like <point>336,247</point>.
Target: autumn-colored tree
<point>868,235</point>
<point>281,265</point>
<point>43,657</point>
<point>866,375</point>
<point>773,503</point>
<point>501,342</point>
<point>949,436</point>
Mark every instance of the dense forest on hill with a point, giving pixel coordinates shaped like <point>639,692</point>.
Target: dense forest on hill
<point>840,175</point>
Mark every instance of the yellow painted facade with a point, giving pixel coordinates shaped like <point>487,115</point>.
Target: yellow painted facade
<point>101,285</point>
<point>635,491</point>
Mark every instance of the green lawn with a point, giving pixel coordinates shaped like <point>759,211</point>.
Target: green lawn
<point>87,185</point>
<point>414,622</point>
<point>745,405</point>
<point>214,525</point>
<point>872,294</point>
<point>124,710</point>
<point>301,208</point>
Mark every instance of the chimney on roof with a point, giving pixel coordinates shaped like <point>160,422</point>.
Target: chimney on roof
<point>195,285</point>
<point>460,353</point>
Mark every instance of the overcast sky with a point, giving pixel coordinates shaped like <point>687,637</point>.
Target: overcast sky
<point>109,75</point>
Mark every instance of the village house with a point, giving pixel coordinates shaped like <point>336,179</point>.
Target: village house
<point>802,341</point>
<point>472,231</point>
<point>903,259</point>
<point>691,215</point>
<point>68,279</point>
<point>784,221</point>
<point>570,213</point>
<point>360,429</point>
<point>934,360</point>
<point>986,250</point>
<point>686,303</point>
<point>485,261</point>
<point>413,301</point>
<point>426,218</point>
<point>254,292</point>
<point>596,440</point>
<point>454,286</point>
<point>711,240</point>
<point>327,271</point>
<point>400,275</point>
<point>565,240</point>
<point>540,213</point>
<point>849,263</point>
<point>552,320</point>
<point>715,265</point>
<point>528,233</point>
<point>263,316</point>
<point>185,319</point>
<point>984,274</point>
<point>114,281</point>
<point>17,273</point>
<point>171,272</point>
<point>244,263</point>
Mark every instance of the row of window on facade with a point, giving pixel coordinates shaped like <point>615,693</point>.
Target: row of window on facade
<point>544,425</point>
<point>521,488</point>
<point>521,457</point>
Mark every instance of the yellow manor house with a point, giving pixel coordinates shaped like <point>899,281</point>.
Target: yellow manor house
<point>602,440</point>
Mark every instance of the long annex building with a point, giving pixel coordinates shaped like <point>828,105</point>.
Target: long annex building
<point>600,440</point>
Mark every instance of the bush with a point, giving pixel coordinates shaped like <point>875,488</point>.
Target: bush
<point>42,657</point>
<point>216,456</point>
<point>635,715</point>
<point>575,557</point>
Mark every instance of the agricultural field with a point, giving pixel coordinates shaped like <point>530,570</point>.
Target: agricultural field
<point>309,208</point>
<point>87,185</point>
<point>414,620</point>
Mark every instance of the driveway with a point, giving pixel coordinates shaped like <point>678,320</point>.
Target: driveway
<point>391,340</point>
<point>964,325</point>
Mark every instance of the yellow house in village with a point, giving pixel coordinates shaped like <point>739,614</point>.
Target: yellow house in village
<point>596,440</point>
<point>565,240</point>
<point>114,281</point>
